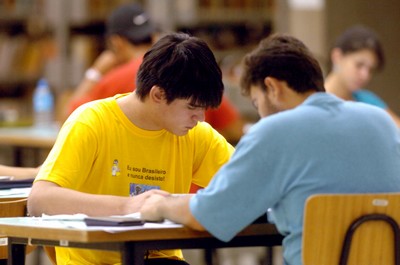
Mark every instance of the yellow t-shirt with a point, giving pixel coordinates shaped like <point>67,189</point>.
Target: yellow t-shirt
<point>100,151</point>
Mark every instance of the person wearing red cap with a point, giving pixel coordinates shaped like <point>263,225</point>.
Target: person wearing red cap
<point>130,33</point>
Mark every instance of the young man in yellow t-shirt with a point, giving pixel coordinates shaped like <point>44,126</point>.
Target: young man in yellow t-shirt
<point>111,154</point>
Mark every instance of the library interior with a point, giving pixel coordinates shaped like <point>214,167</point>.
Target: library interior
<point>48,46</point>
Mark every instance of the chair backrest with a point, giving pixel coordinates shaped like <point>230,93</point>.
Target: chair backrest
<point>327,218</point>
<point>11,207</point>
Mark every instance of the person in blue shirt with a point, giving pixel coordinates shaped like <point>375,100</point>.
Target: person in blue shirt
<point>306,142</point>
<point>356,55</point>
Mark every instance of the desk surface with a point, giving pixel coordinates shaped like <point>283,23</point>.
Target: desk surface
<point>29,136</point>
<point>30,227</point>
<point>132,244</point>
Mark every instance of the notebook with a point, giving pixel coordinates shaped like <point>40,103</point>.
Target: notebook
<point>113,221</point>
<point>20,183</point>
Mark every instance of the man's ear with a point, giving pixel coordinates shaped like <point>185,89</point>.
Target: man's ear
<point>336,55</point>
<point>274,87</point>
<point>157,94</point>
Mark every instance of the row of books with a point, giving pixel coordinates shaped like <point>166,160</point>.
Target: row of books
<point>77,8</point>
<point>21,57</point>
<point>19,7</point>
<point>81,10</point>
<point>239,4</point>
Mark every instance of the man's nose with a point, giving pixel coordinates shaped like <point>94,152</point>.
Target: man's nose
<point>200,115</point>
<point>366,73</point>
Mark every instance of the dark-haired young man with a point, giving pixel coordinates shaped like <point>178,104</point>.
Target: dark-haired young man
<point>130,33</point>
<point>151,141</point>
<point>307,142</point>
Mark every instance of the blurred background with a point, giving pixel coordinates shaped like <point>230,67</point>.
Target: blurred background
<point>59,39</point>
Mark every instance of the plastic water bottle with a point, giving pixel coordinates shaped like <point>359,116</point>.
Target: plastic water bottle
<point>43,104</point>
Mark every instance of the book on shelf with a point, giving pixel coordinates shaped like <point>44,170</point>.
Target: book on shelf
<point>21,57</point>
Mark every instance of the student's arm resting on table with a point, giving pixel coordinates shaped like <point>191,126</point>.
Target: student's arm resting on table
<point>175,208</point>
<point>19,172</point>
<point>67,201</point>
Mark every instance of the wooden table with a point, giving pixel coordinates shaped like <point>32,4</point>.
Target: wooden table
<point>35,138</point>
<point>132,244</point>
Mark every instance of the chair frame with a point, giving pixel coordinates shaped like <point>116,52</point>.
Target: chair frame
<point>366,218</point>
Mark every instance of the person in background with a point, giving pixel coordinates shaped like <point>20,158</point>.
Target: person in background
<point>152,140</point>
<point>356,55</point>
<point>130,34</point>
<point>306,142</point>
<point>19,172</point>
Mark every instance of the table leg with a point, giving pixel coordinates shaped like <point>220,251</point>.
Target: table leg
<point>18,156</point>
<point>132,254</point>
<point>269,251</point>
<point>16,253</point>
<point>210,256</point>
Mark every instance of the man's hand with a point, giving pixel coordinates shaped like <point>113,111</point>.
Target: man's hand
<point>158,207</point>
<point>136,202</point>
<point>152,208</point>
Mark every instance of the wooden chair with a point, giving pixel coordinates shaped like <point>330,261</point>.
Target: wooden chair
<point>351,229</point>
<point>11,207</point>
<point>51,254</point>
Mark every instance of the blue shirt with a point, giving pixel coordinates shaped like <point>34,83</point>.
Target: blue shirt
<point>325,145</point>
<point>368,97</point>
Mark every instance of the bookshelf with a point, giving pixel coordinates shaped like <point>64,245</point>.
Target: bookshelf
<point>230,27</point>
<point>59,39</point>
<point>24,47</point>
<point>55,39</point>
<point>226,25</point>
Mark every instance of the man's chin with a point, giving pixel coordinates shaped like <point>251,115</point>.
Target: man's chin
<point>356,88</point>
<point>182,132</point>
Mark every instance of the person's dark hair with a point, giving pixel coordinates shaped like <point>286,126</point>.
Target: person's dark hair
<point>358,38</point>
<point>284,58</point>
<point>185,68</point>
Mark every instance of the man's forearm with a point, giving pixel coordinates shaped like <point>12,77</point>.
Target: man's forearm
<point>18,172</point>
<point>58,200</point>
<point>49,198</point>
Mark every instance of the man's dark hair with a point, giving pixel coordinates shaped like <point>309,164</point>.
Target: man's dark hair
<point>284,58</point>
<point>358,38</point>
<point>185,68</point>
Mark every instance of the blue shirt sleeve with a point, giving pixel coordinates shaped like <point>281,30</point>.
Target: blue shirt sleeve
<point>369,97</point>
